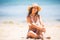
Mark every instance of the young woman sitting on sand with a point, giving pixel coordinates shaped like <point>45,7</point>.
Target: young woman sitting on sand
<point>36,27</point>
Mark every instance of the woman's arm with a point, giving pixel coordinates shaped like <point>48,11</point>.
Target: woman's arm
<point>31,24</point>
<point>40,21</point>
<point>29,21</point>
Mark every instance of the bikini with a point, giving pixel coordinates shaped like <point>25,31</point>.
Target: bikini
<point>35,23</point>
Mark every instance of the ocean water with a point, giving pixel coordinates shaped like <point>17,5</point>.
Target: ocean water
<point>48,12</point>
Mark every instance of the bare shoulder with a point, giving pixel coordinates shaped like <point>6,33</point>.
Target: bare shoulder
<point>28,17</point>
<point>38,16</point>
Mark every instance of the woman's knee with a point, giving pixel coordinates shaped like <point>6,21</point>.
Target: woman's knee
<point>32,34</point>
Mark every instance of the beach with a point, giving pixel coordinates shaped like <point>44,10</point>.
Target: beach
<point>13,30</point>
<point>13,25</point>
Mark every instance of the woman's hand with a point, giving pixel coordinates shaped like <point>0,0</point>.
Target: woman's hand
<point>42,25</point>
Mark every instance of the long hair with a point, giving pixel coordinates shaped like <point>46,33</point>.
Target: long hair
<point>30,11</point>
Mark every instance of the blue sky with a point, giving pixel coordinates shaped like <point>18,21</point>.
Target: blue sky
<point>27,2</point>
<point>19,7</point>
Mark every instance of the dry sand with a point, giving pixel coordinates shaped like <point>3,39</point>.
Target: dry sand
<point>16,31</point>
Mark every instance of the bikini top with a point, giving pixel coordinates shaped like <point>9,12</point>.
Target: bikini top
<point>36,21</point>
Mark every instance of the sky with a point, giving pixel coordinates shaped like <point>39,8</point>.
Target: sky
<point>27,2</point>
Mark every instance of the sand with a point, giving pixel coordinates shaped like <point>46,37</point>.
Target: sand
<point>18,31</point>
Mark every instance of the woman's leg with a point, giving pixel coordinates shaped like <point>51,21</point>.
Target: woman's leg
<point>39,35</point>
<point>31,34</point>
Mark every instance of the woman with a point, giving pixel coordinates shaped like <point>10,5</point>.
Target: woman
<point>36,27</point>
